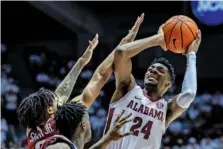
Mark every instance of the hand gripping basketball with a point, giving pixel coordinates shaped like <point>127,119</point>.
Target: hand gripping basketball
<point>179,32</point>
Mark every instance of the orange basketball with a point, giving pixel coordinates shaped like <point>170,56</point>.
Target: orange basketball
<point>179,32</point>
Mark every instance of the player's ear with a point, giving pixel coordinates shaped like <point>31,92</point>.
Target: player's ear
<point>50,110</point>
<point>169,84</point>
<point>83,125</point>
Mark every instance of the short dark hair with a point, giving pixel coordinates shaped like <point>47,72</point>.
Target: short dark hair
<point>169,66</point>
<point>32,110</point>
<point>68,117</point>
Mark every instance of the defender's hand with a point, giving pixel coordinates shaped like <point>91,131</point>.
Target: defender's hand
<point>133,32</point>
<point>86,57</point>
<point>195,44</point>
<point>161,40</point>
<point>114,133</point>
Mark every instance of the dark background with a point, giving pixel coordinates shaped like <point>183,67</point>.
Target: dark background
<point>22,23</point>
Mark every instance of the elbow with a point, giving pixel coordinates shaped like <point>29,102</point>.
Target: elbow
<point>119,52</point>
<point>104,75</point>
<point>186,98</point>
<point>190,93</point>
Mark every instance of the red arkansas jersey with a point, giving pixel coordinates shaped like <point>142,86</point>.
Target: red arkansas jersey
<point>36,137</point>
<point>148,125</point>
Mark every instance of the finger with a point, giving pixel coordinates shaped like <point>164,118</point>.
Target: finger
<point>90,44</point>
<point>160,28</point>
<point>124,122</point>
<point>135,25</point>
<point>142,17</point>
<point>123,119</point>
<point>198,40</point>
<point>95,38</point>
<point>126,134</point>
<point>96,43</point>
<point>120,115</point>
<point>138,22</point>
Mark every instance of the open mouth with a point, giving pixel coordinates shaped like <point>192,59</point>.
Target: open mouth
<point>152,76</point>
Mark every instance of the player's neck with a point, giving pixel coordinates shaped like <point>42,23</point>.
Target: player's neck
<point>152,95</point>
<point>78,142</point>
<point>48,116</point>
<point>44,122</point>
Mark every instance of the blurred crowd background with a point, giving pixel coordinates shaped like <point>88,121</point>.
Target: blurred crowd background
<point>41,42</point>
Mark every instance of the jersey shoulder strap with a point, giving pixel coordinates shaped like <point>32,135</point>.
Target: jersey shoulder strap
<point>58,139</point>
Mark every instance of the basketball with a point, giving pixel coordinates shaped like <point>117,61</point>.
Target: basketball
<point>179,32</point>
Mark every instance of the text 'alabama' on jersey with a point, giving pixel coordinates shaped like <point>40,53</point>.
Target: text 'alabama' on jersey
<point>148,125</point>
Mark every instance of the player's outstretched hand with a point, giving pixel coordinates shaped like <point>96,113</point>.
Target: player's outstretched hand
<point>195,44</point>
<point>114,133</point>
<point>162,42</point>
<point>86,57</point>
<point>133,32</point>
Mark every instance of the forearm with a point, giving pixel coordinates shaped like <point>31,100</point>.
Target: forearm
<point>65,88</point>
<point>101,144</point>
<point>105,68</point>
<point>133,48</point>
<point>189,86</point>
<point>106,65</point>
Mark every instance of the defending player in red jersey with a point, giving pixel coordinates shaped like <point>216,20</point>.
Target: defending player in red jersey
<point>36,111</point>
<point>72,123</point>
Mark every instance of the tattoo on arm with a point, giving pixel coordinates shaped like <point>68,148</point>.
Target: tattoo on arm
<point>65,88</point>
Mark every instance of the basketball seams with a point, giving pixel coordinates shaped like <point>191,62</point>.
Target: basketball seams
<point>181,33</point>
<point>179,26</point>
<point>168,23</point>
<point>165,37</point>
<point>187,20</point>
<point>190,30</point>
<point>187,25</point>
<point>172,31</point>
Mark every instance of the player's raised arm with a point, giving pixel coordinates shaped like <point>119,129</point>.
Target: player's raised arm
<point>104,70</point>
<point>65,88</point>
<point>122,59</point>
<point>189,87</point>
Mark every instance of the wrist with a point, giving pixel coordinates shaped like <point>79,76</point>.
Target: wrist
<point>159,39</point>
<point>191,58</point>
<point>106,140</point>
<point>191,54</point>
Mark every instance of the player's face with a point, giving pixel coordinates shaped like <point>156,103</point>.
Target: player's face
<point>87,127</point>
<point>52,109</point>
<point>56,102</point>
<point>157,75</point>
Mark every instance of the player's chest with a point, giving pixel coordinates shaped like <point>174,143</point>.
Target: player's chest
<point>146,109</point>
<point>147,118</point>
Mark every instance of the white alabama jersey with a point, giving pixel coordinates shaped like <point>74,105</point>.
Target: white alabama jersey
<point>148,123</point>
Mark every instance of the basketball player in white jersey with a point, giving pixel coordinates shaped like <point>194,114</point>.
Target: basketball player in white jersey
<point>151,113</point>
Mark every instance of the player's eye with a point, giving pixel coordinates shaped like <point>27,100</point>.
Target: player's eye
<point>161,70</point>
